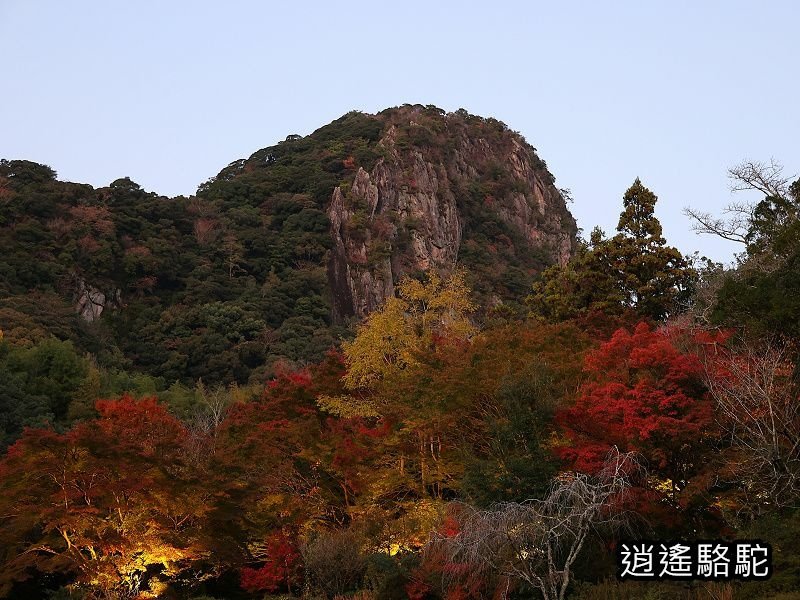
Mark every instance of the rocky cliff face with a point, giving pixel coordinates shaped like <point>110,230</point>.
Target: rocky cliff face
<point>439,180</point>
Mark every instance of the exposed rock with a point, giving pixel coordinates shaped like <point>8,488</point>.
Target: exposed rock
<point>412,201</point>
<point>90,302</point>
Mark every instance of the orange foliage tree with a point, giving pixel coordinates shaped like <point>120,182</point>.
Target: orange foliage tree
<point>112,502</point>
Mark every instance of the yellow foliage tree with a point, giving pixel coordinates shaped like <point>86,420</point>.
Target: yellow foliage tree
<point>392,339</point>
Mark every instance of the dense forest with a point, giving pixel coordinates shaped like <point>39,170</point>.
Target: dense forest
<point>188,410</point>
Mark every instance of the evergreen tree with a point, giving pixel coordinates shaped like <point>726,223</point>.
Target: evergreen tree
<point>762,295</point>
<point>635,269</point>
<point>654,279</point>
<point>583,284</point>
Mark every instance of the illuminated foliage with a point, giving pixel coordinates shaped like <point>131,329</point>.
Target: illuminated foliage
<point>392,338</point>
<point>281,568</point>
<point>110,502</point>
<point>271,463</point>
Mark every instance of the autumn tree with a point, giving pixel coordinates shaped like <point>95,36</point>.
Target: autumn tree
<point>261,445</point>
<point>281,568</point>
<point>509,385</point>
<point>393,338</point>
<point>757,406</point>
<point>646,393</point>
<point>394,433</point>
<point>110,503</point>
<point>270,457</point>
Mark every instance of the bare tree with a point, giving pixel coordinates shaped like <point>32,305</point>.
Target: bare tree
<point>766,178</point>
<point>749,175</point>
<point>538,541</point>
<point>733,226</point>
<point>758,405</point>
<point>334,562</point>
<point>710,278</point>
<point>207,415</point>
<point>212,407</point>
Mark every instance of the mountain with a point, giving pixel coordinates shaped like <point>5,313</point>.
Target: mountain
<point>275,256</point>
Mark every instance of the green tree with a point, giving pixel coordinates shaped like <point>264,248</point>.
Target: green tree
<point>635,269</point>
<point>654,278</point>
<point>38,385</point>
<point>584,283</point>
<point>762,294</point>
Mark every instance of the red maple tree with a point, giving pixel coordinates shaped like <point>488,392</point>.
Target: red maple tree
<point>644,393</point>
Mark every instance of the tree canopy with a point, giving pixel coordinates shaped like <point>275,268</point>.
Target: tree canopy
<point>635,269</point>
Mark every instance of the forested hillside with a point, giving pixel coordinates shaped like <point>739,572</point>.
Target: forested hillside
<point>376,362</point>
<point>278,251</point>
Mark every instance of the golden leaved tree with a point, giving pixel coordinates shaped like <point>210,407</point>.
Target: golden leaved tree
<point>400,458</point>
<point>392,339</point>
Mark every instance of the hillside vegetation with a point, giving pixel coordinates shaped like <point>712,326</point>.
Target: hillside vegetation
<point>375,362</point>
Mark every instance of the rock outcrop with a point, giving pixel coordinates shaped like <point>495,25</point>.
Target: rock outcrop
<point>90,302</point>
<point>278,253</point>
<point>413,209</point>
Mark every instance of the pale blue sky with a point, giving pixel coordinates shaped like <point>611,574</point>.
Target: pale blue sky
<point>169,92</point>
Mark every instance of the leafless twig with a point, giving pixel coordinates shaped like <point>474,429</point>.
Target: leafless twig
<point>749,175</point>
<point>766,178</point>
<point>757,403</point>
<point>538,541</point>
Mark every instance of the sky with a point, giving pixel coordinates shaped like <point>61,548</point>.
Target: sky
<point>169,93</point>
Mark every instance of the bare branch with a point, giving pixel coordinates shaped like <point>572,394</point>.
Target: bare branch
<point>766,178</point>
<point>537,541</point>
<point>734,230</point>
<point>734,226</point>
<point>757,404</point>
<point>206,418</point>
